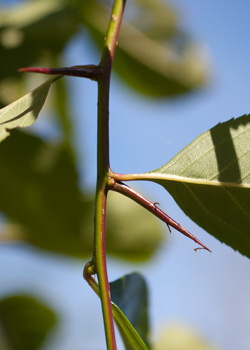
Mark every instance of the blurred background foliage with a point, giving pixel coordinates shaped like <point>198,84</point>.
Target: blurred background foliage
<point>42,201</point>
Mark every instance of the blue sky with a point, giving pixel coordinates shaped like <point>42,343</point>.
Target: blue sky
<point>207,292</point>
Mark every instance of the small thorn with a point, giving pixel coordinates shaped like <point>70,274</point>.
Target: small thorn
<point>169,229</point>
<point>199,248</point>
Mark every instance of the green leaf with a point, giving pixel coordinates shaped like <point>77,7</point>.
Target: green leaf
<point>24,112</point>
<point>129,304</point>
<point>156,60</point>
<point>25,321</point>
<point>210,181</point>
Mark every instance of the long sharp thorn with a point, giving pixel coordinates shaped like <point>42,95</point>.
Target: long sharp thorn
<point>152,207</point>
<point>89,71</point>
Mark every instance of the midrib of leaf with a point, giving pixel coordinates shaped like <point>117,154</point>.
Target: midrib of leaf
<point>183,179</point>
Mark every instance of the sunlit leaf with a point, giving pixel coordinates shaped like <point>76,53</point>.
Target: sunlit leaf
<point>129,304</point>
<point>24,112</point>
<point>210,181</point>
<point>149,61</point>
<point>25,322</point>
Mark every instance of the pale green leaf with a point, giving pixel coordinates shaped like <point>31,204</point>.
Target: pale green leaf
<point>24,111</point>
<point>210,181</point>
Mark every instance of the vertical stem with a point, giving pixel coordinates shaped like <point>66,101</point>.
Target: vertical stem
<point>100,213</point>
<point>101,266</point>
<point>103,169</point>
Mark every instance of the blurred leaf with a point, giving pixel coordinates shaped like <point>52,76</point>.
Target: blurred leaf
<point>25,321</point>
<point>24,112</point>
<point>129,302</point>
<point>30,30</point>
<point>62,110</point>
<point>178,337</point>
<point>132,232</point>
<point>210,181</point>
<point>153,55</point>
<point>150,62</point>
<point>39,192</point>
<point>156,19</point>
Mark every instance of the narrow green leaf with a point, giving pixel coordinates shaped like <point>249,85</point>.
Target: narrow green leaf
<point>210,181</point>
<point>129,304</point>
<point>24,112</point>
<point>25,322</point>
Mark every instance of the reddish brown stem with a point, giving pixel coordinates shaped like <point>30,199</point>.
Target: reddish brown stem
<point>152,207</point>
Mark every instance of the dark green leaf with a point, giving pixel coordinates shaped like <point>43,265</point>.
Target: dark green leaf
<point>210,181</point>
<point>130,301</point>
<point>24,112</point>
<point>25,322</point>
